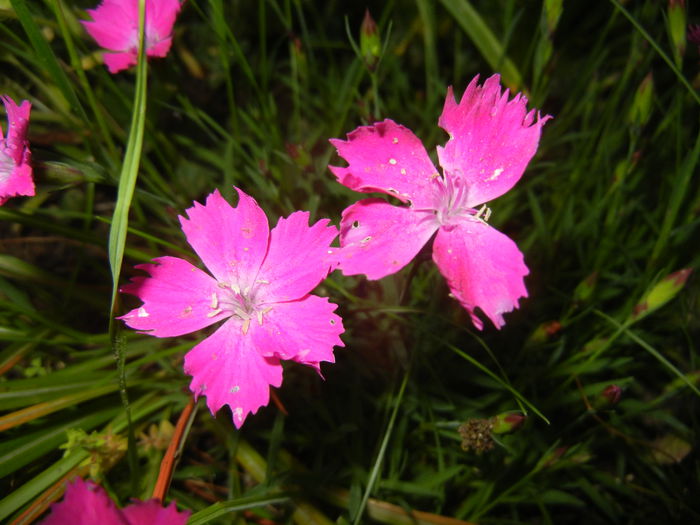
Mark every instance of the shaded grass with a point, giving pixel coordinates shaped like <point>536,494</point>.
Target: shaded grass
<point>249,96</point>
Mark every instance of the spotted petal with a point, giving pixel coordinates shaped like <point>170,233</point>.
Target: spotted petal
<point>492,139</point>
<point>228,369</point>
<point>305,331</point>
<point>178,298</point>
<point>483,267</point>
<point>297,259</point>
<point>389,158</point>
<point>378,239</point>
<point>232,242</point>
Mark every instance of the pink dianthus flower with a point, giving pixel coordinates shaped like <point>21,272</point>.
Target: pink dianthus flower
<point>15,169</point>
<point>260,289</point>
<point>492,139</point>
<point>86,503</point>
<point>115,26</point>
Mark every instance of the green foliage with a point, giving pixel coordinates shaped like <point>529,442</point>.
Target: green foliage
<point>602,357</point>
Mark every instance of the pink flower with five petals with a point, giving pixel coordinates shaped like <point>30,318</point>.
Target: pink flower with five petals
<point>115,26</point>
<point>86,503</point>
<point>15,169</point>
<point>492,139</point>
<point>259,286</point>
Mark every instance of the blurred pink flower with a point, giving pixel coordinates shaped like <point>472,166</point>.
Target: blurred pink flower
<point>492,139</point>
<point>260,287</point>
<point>86,503</point>
<point>115,27</point>
<point>15,171</point>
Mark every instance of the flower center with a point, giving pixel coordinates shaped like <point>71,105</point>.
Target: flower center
<point>451,202</point>
<point>241,304</point>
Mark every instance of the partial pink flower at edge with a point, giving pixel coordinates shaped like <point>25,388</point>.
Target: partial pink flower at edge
<point>15,168</point>
<point>492,139</point>
<point>86,503</point>
<point>115,27</point>
<point>258,285</point>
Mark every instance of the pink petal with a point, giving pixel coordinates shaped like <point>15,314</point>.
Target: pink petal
<point>491,141</point>
<point>17,126</point>
<point>114,25</point>
<point>85,503</point>
<point>232,242</point>
<point>297,259</point>
<point>160,48</point>
<point>378,239</point>
<point>117,62</point>
<point>151,512</point>
<point>15,168</point>
<point>389,158</point>
<point>305,331</point>
<point>483,267</point>
<point>160,18</point>
<point>228,369</point>
<point>178,298</point>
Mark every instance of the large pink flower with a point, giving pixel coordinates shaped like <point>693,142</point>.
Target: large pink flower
<point>115,27</point>
<point>86,503</point>
<point>491,141</point>
<point>15,169</point>
<point>260,287</point>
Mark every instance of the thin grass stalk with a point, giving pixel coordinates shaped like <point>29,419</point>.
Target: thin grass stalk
<point>120,225</point>
<point>374,474</point>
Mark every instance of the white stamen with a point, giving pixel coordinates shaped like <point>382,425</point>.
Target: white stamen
<point>214,313</point>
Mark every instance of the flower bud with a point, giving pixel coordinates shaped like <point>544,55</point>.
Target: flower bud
<point>676,25</point>
<point>641,105</point>
<point>661,293</point>
<point>552,12</point>
<point>507,422</point>
<point>370,43</point>
<point>610,396</point>
<point>544,333</point>
<point>585,288</point>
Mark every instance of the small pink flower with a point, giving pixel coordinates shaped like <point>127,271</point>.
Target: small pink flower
<point>260,289</point>
<point>491,141</point>
<point>15,171</point>
<point>115,27</point>
<point>86,503</point>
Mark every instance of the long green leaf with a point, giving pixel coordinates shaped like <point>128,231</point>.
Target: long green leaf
<point>120,221</point>
<point>222,508</point>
